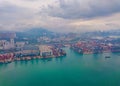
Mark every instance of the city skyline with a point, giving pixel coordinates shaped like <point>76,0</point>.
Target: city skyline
<point>60,15</point>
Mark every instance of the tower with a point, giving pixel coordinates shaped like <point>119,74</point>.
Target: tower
<point>12,42</point>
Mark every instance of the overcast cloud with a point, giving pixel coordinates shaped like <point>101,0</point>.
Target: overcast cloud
<point>60,15</point>
<point>83,9</point>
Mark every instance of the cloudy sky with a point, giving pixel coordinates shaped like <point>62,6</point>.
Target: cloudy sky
<point>60,15</point>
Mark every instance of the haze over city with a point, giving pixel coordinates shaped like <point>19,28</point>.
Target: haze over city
<point>59,42</point>
<point>60,15</point>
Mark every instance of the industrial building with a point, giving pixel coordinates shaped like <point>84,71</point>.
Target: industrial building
<point>45,50</point>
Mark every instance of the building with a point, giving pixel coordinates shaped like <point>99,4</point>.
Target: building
<point>20,44</point>
<point>45,50</point>
<point>5,45</point>
<point>27,50</point>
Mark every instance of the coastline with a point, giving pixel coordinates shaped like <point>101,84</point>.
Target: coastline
<point>27,58</point>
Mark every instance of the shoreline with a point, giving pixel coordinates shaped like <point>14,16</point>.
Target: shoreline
<point>94,53</point>
<point>28,58</point>
<point>91,52</point>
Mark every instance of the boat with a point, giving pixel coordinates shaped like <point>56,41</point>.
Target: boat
<point>107,57</point>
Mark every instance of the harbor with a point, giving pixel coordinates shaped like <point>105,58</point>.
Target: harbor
<point>32,52</point>
<point>69,70</point>
<point>95,47</point>
<point>59,42</point>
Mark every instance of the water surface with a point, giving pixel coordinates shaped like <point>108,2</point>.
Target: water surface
<point>72,70</point>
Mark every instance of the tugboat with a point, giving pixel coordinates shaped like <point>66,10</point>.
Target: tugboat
<point>107,57</point>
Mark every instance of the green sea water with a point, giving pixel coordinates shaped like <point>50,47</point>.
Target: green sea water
<point>71,70</point>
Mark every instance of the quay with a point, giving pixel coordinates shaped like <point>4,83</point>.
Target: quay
<point>93,47</point>
<point>31,53</point>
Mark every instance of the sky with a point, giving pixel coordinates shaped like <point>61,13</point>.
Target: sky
<point>60,15</point>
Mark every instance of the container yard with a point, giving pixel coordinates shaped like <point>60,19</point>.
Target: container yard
<point>31,52</point>
<point>6,58</point>
<point>94,47</point>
